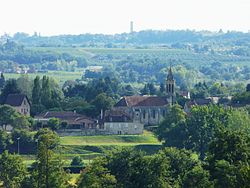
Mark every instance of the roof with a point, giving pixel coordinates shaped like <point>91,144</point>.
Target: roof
<point>117,116</point>
<point>66,116</point>
<point>16,99</point>
<point>199,102</point>
<point>131,101</point>
<point>203,101</point>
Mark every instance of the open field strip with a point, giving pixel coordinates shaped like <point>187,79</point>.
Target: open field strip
<point>119,140</point>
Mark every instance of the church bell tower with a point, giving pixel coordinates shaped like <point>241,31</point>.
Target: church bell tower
<point>170,86</point>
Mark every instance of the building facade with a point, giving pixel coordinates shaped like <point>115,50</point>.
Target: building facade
<point>118,122</point>
<point>19,102</point>
<point>149,110</point>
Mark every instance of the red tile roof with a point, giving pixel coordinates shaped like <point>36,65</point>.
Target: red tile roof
<point>131,101</point>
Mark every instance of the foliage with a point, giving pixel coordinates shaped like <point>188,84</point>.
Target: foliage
<point>173,129</point>
<point>49,167</point>
<point>12,170</point>
<point>54,123</point>
<point>77,161</point>
<point>7,115</point>
<point>229,157</point>
<point>5,140</point>
<point>97,176</point>
<point>9,88</point>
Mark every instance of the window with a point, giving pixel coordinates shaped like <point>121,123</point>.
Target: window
<point>154,114</point>
<point>144,114</point>
<point>163,113</point>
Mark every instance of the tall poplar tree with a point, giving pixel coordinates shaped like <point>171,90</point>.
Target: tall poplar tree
<point>36,92</point>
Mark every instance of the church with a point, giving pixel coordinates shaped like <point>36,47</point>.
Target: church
<point>148,110</point>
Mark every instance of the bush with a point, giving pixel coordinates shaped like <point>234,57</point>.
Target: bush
<point>77,161</point>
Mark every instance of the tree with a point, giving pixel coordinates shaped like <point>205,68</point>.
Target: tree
<point>12,170</point>
<point>49,167</point>
<point>138,170</point>
<point>54,123</point>
<point>248,88</point>
<point>181,162</point>
<point>9,88</point>
<point>7,116</point>
<point>25,85</point>
<point>97,176</point>
<point>172,129</point>
<point>103,102</point>
<point>77,161</point>
<point>46,92</point>
<point>229,157</point>
<point>197,177</point>
<point>5,140</point>
<point>202,125</point>
<point>2,81</point>
<point>36,91</point>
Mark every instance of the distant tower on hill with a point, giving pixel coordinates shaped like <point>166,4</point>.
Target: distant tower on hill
<point>131,27</point>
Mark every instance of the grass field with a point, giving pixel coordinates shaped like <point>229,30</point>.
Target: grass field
<point>90,147</point>
<point>120,140</point>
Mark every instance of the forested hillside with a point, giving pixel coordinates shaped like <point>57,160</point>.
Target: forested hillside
<point>135,58</point>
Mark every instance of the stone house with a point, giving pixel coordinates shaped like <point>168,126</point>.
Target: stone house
<point>19,102</point>
<point>118,122</point>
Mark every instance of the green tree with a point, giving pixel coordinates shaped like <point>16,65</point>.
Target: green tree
<point>5,140</point>
<point>12,170</point>
<point>7,116</point>
<point>202,125</point>
<point>103,102</point>
<point>25,85</point>
<point>36,91</point>
<point>54,123</point>
<point>172,129</point>
<point>46,92</point>
<point>181,162</point>
<point>197,177</point>
<point>77,161</point>
<point>97,176</point>
<point>49,168</point>
<point>9,88</point>
<point>2,81</point>
<point>229,157</point>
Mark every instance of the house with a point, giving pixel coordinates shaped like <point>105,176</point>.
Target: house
<point>19,102</point>
<point>118,122</point>
<point>185,94</point>
<point>196,102</point>
<point>75,121</point>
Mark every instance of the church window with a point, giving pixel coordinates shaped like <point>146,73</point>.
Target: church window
<point>144,114</point>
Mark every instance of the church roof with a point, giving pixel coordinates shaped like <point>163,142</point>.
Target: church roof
<point>131,101</point>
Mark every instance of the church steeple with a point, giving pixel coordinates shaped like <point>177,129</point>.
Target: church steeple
<point>170,86</point>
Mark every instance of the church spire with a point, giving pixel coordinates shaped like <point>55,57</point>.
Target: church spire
<point>170,86</point>
<point>170,74</point>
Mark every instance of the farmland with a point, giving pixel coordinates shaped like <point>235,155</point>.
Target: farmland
<point>89,147</point>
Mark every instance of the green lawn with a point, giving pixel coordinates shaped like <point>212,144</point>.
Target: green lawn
<point>119,140</point>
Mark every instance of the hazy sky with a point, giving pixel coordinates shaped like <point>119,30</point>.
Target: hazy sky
<point>52,17</point>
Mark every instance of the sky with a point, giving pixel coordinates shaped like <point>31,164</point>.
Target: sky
<point>54,17</point>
